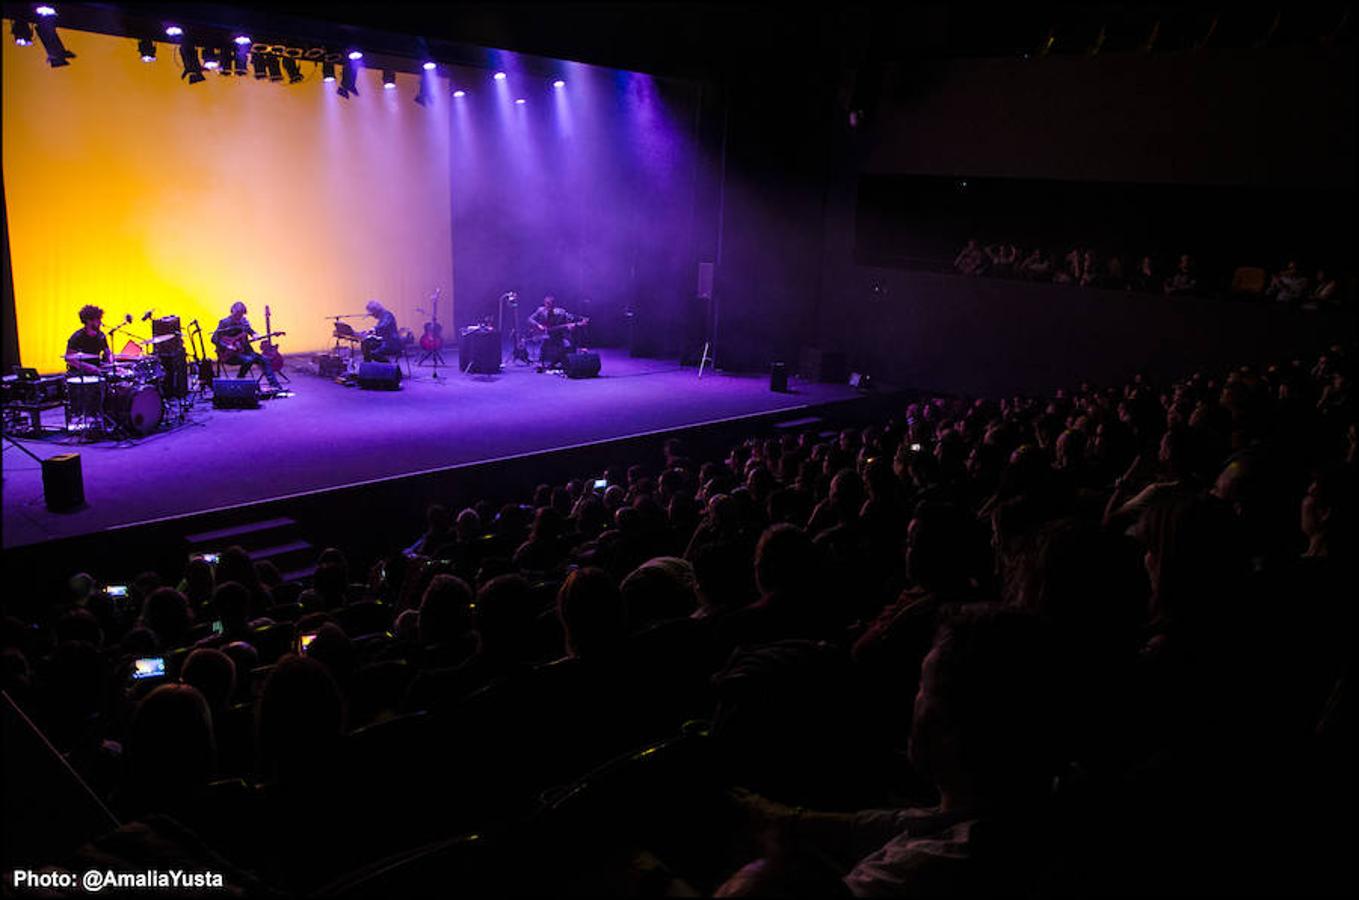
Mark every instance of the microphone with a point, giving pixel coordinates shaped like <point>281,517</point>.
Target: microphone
<point>145,317</point>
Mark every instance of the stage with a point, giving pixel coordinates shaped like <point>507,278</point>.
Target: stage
<point>329,436</point>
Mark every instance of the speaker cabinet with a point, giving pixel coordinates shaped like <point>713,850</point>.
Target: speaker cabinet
<point>379,376</point>
<point>63,483</point>
<point>582,364</point>
<point>479,351</point>
<point>235,393</point>
<point>778,378</point>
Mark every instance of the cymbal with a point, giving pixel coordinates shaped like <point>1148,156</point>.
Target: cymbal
<point>82,356</point>
<point>162,338</point>
<point>127,357</point>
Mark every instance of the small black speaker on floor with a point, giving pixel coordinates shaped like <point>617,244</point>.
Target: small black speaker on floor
<point>379,376</point>
<point>330,366</point>
<point>63,484</point>
<point>235,393</point>
<point>479,351</point>
<point>778,378</point>
<point>582,364</point>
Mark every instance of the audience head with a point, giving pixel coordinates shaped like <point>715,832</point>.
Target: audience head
<point>300,720</point>
<point>213,674</point>
<point>590,609</point>
<point>445,610</point>
<point>660,589</point>
<point>171,749</point>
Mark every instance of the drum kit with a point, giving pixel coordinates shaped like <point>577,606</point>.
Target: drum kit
<point>136,392</point>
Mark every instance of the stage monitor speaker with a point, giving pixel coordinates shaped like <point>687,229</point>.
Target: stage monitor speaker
<point>379,376</point>
<point>479,351</point>
<point>778,378</point>
<point>705,280</point>
<point>582,364</point>
<point>823,366</point>
<point>63,484</point>
<point>235,393</point>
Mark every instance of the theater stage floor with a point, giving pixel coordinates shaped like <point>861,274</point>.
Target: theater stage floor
<point>328,435</point>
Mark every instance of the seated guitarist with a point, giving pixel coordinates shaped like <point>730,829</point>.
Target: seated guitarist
<point>554,322</point>
<point>382,342</point>
<point>232,340</point>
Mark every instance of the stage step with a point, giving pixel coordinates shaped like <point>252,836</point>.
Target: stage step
<point>239,533</point>
<point>278,551</point>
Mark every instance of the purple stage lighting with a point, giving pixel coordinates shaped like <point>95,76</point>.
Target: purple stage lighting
<point>355,55</point>
<point>242,40</point>
<point>147,48</point>
<point>23,33</point>
<point>459,93</point>
<point>210,59</point>
<point>430,66</point>
<point>500,76</point>
<point>173,31</point>
<point>328,72</point>
<point>559,83</point>
<point>520,102</point>
<point>44,10</point>
<point>388,79</point>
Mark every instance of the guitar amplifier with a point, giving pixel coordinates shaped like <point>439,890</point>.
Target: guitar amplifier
<point>479,351</point>
<point>330,366</point>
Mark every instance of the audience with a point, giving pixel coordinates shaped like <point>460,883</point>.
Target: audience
<point>1001,646</point>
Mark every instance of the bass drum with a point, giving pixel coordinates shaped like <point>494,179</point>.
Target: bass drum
<point>136,408</point>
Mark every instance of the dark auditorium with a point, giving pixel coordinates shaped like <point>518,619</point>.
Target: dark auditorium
<point>722,449</point>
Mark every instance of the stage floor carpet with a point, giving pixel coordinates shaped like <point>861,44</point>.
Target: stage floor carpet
<point>328,436</point>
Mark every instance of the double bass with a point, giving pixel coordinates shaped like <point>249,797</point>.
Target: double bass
<point>433,338</point>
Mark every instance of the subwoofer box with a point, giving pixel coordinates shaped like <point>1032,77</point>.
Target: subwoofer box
<point>235,393</point>
<point>379,376</point>
<point>582,364</point>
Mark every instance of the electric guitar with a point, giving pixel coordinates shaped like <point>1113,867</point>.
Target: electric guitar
<point>565,326</point>
<point>433,338</point>
<point>231,344</point>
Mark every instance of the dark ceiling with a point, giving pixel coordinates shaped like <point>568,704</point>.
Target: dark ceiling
<point>720,41</point>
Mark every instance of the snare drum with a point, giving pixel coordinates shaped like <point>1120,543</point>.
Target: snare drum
<point>138,408</point>
<point>85,396</point>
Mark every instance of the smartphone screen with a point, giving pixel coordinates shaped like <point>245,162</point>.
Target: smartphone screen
<point>217,627</point>
<point>304,641</point>
<point>116,590</point>
<point>210,558</point>
<point>148,667</point>
<point>601,483</point>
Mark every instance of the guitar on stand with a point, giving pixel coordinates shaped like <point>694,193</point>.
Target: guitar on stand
<point>432,341</point>
<point>269,350</point>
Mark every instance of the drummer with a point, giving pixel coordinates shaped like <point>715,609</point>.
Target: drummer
<point>88,347</point>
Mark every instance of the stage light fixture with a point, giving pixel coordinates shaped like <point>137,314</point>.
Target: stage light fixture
<point>242,55</point>
<point>348,76</point>
<point>241,40</point>
<point>57,54</point>
<point>388,80</point>
<point>500,76</point>
<point>328,72</point>
<point>559,84</point>
<point>193,69</point>
<point>147,48</point>
<point>45,11</point>
<point>260,64</point>
<point>355,56</point>
<point>173,31</point>
<point>291,70</point>
<point>22,32</point>
<point>430,66</point>
<point>275,69</point>
<point>226,64</point>
<point>459,94</point>
<point>520,101</point>
<point>210,59</point>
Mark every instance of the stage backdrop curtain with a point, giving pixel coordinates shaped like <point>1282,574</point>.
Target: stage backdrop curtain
<point>131,189</point>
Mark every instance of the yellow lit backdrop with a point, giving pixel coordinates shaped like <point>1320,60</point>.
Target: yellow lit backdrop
<point>133,190</point>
